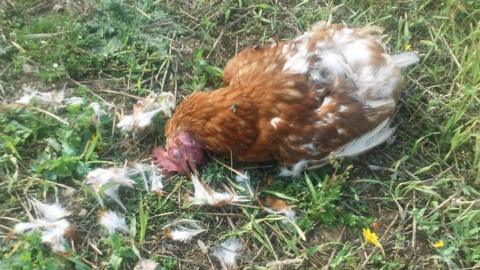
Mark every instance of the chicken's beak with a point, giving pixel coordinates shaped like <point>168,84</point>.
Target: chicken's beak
<point>162,159</point>
<point>173,163</point>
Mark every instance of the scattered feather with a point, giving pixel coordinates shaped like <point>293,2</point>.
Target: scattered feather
<point>100,177</point>
<point>167,103</point>
<point>23,227</point>
<point>204,195</point>
<point>55,230</point>
<point>97,110</point>
<point>146,264</point>
<point>54,235</point>
<point>112,193</point>
<point>244,179</point>
<point>183,230</point>
<point>25,99</point>
<point>31,95</point>
<point>405,59</point>
<point>279,207</point>
<point>284,264</point>
<point>151,175</point>
<point>139,168</point>
<point>156,184</point>
<point>82,213</point>
<point>228,252</point>
<point>297,168</point>
<point>73,101</point>
<point>126,123</point>
<point>112,222</point>
<point>53,99</point>
<point>201,245</point>
<point>50,212</point>
<point>146,109</point>
<point>108,181</point>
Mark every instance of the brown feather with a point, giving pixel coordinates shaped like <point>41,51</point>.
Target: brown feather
<point>265,112</point>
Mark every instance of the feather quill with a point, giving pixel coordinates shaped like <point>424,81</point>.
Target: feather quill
<point>204,195</point>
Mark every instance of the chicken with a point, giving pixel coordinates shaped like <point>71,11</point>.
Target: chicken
<point>332,90</point>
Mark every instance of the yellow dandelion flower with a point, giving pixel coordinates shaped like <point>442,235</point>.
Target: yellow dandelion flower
<point>371,237</point>
<point>407,47</point>
<point>439,244</point>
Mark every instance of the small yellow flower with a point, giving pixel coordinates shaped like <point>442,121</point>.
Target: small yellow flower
<point>407,47</point>
<point>439,244</point>
<point>371,237</point>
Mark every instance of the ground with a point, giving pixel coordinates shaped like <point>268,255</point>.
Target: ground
<point>420,188</point>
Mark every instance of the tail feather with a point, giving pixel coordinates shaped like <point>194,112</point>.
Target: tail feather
<point>405,59</point>
<point>374,137</point>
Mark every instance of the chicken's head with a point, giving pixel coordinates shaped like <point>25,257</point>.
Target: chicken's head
<point>181,150</point>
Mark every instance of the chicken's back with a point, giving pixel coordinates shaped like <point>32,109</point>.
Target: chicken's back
<point>360,83</point>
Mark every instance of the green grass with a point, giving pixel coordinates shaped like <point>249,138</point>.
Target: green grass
<point>422,188</point>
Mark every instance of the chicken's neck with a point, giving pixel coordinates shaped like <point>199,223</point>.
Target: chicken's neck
<point>211,118</point>
<point>193,114</point>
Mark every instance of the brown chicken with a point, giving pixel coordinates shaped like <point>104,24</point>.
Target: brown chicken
<point>332,90</point>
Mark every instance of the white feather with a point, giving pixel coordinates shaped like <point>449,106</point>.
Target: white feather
<point>296,169</point>
<point>332,64</point>
<point>183,230</point>
<point>51,212</point>
<point>126,123</point>
<point>298,62</point>
<point>113,222</point>
<point>73,101</point>
<point>166,102</point>
<point>25,226</point>
<point>151,175</point>
<point>50,222</point>
<point>111,191</point>
<point>145,110</point>
<point>367,141</point>
<point>244,179</point>
<point>388,102</point>
<point>100,177</point>
<point>204,195</point>
<point>107,182</point>
<point>52,98</point>
<point>156,184</point>
<point>145,119</point>
<point>52,232</point>
<point>97,110</point>
<point>25,99</point>
<point>228,252</point>
<point>349,54</point>
<point>275,121</point>
<point>146,264</point>
<point>54,235</point>
<point>405,59</point>
<point>183,234</point>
